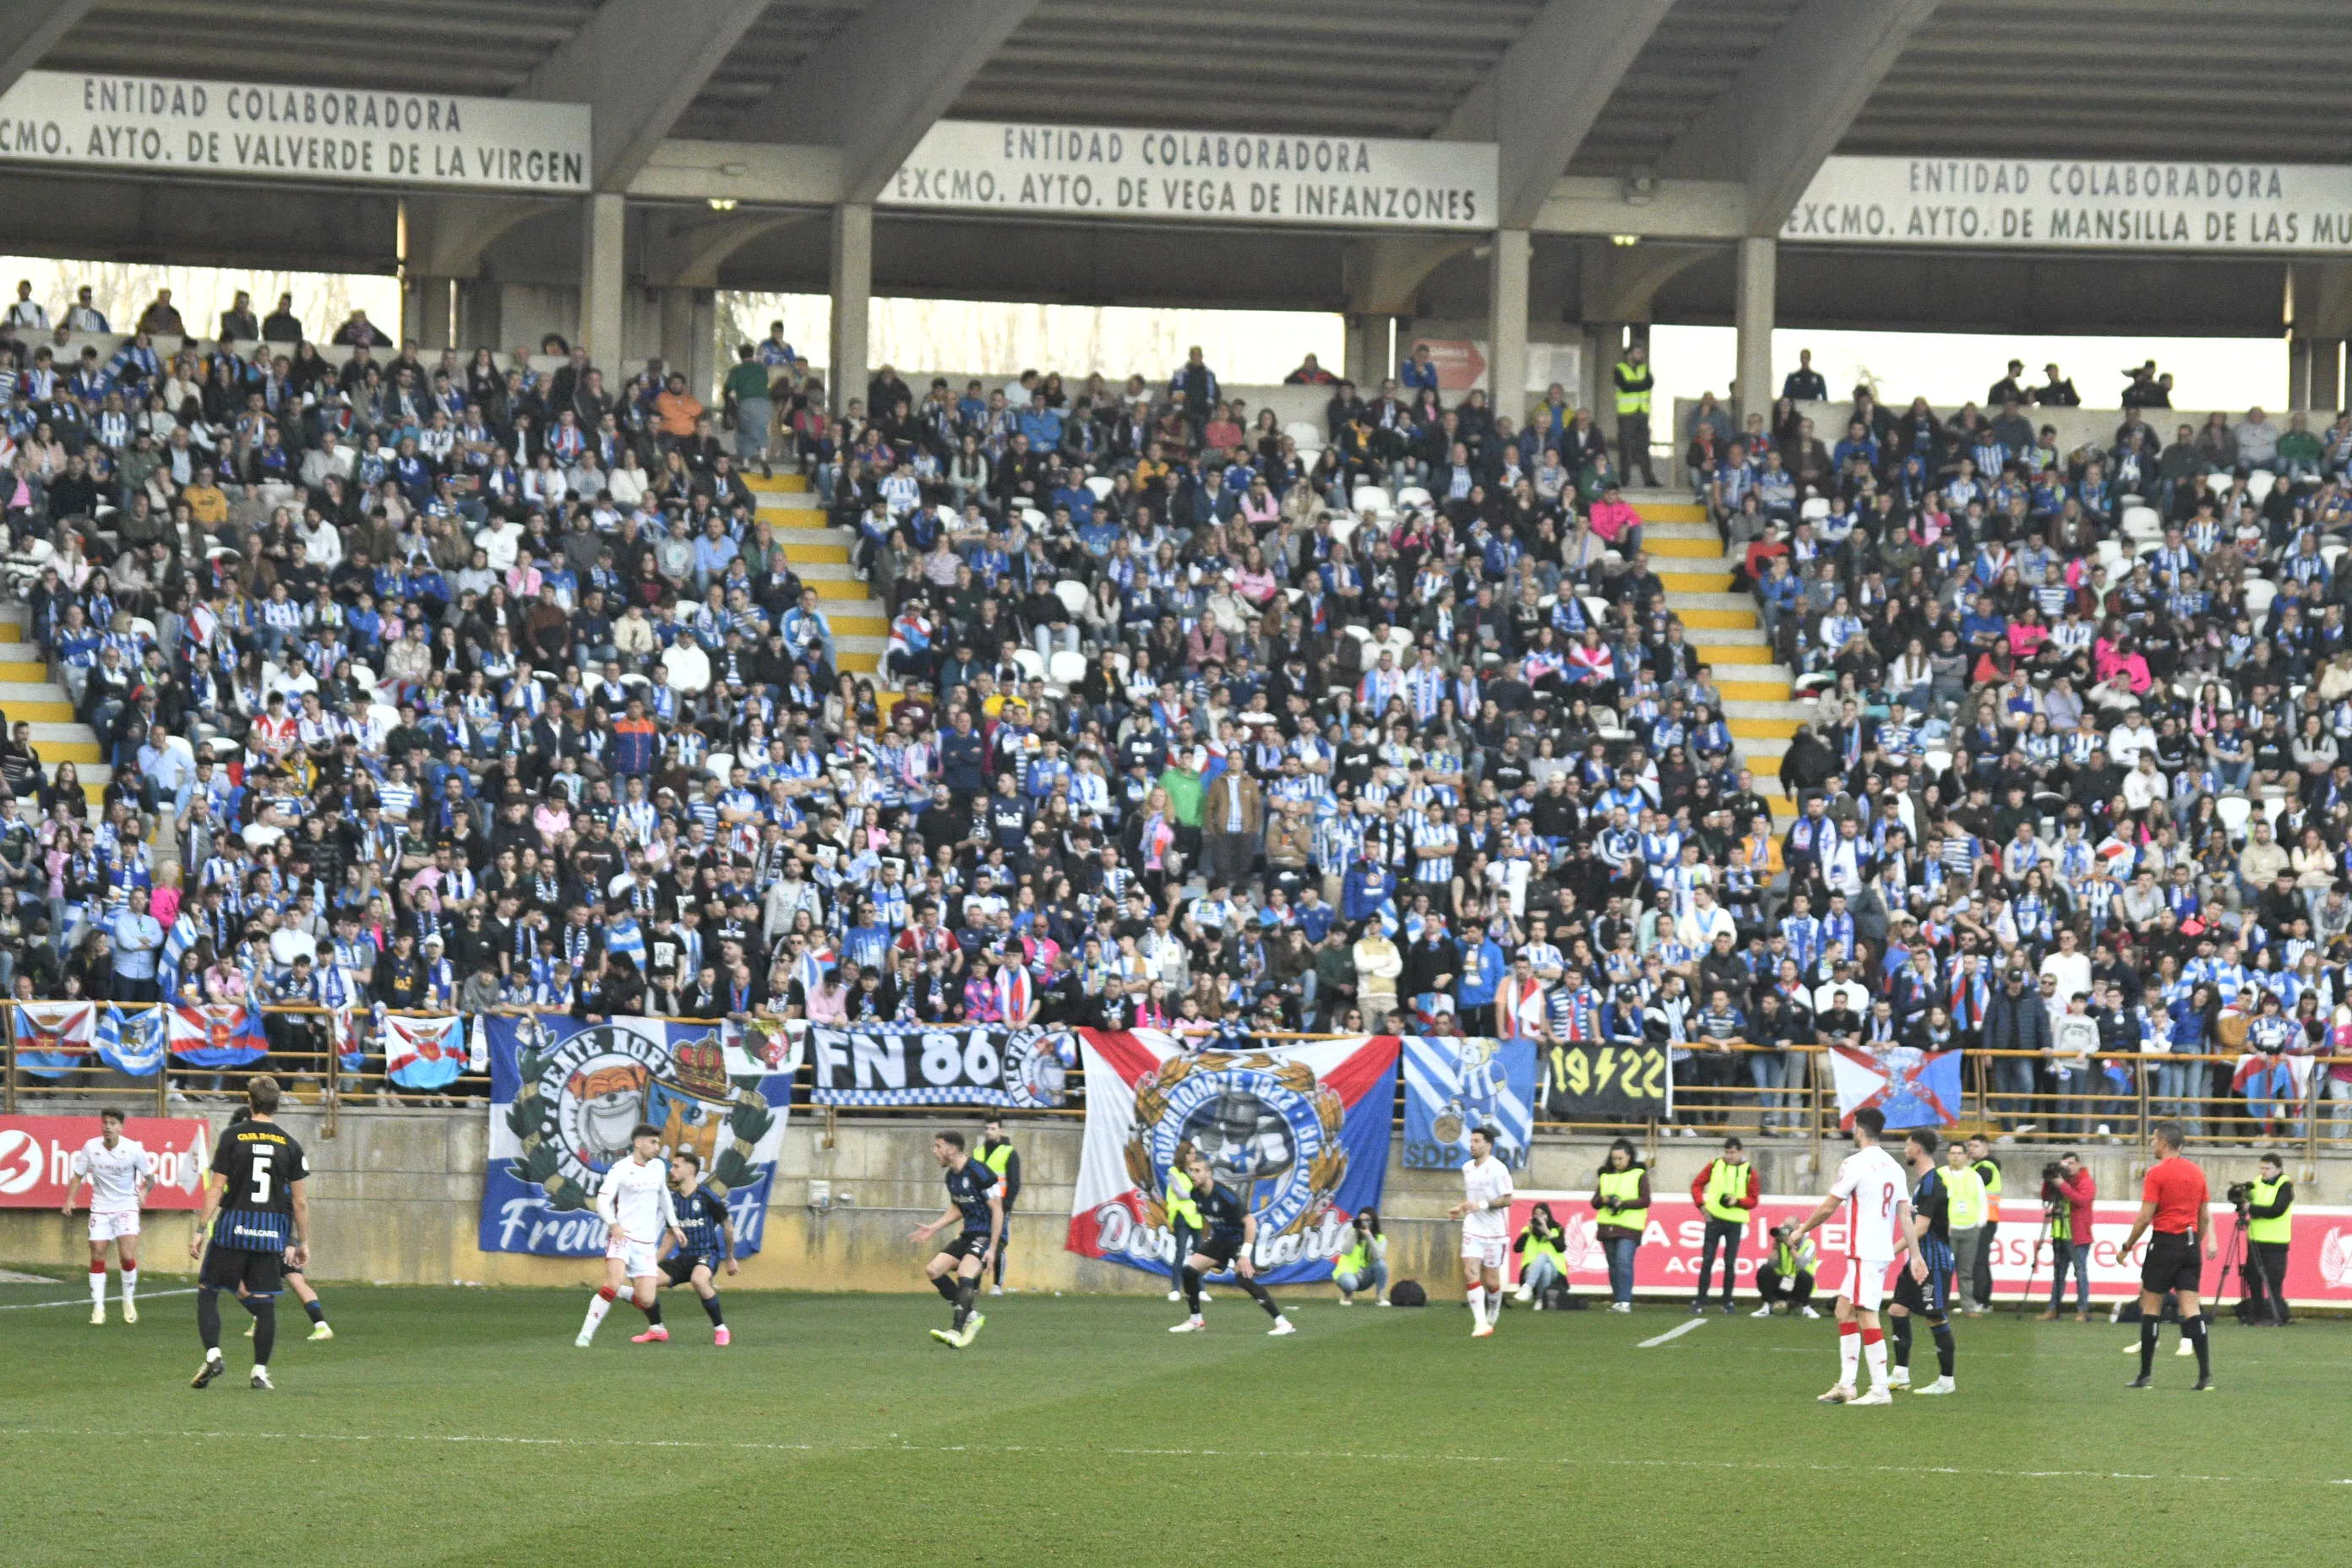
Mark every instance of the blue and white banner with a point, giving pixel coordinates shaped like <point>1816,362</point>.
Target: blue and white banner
<point>912,1064</point>
<point>1455,1086</point>
<point>53,1038</point>
<point>565,1097</point>
<point>131,1042</point>
<point>1298,1129</point>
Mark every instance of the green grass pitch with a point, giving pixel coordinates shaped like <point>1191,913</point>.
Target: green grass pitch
<point>461,1427</point>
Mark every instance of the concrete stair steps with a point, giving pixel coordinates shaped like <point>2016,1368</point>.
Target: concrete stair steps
<point>1717,635</point>
<point>1762,751</point>
<point>859,643</point>
<point>816,572</point>
<point>1755,708</point>
<point>830,589</point>
<point>1683,604</point>
<point>1734,653</point>
<point>1701,529</point>
<point>783,484</point>
<point>1682,581</point>
<point>1763,728</point>
<point>797,503</point>
<point>801,527</point>
<point>1762,690</point>
<point>796,552</point>
<point>1708,620</point>
<point>1685,554</point>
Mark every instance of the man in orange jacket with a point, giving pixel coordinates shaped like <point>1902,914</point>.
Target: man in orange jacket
<point>1727,1194</point>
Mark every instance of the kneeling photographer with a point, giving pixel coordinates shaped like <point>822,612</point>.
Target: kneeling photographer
<point>2265,1208</point>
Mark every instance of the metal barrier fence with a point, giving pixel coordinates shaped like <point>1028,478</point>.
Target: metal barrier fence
<point>1716,1093</point>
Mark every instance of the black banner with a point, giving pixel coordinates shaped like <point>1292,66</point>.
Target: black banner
<point>1594,1081</point>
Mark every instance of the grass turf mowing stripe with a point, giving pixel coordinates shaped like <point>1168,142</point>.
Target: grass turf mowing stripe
<point>1251,1454</point>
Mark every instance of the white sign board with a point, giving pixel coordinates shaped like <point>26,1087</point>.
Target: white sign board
<point>1345,182</point>
<point>330,135</point>
<point>2067,204</point>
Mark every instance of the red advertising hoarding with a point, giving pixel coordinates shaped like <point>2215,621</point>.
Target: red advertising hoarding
<point>2318,1273</point>
<point>37,1154</point>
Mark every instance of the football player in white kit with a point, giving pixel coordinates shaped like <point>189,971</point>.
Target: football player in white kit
<point>639,1217</point>
<point>1876,1197</point>
<point>1484,1212</point>
<point>120,1173</point>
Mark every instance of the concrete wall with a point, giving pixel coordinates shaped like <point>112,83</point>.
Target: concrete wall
<point>395,1199</point>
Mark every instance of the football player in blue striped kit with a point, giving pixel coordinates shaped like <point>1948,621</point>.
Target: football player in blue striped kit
<point>709,1232</point>
<point>256,1220</point>
<point>1931,1220</point>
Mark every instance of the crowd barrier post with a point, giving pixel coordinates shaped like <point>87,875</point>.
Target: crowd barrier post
<point>1820,1133</point>
<point>333,1092</point>
<point>164,1075</point>
<point>2141,1073</point>
<point>8,1056</point>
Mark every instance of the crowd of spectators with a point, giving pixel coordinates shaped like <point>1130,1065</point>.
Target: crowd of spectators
<point>424,661</point>
<point>2078,778</point>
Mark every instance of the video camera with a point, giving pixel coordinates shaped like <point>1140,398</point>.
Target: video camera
<point>2240,1196</point>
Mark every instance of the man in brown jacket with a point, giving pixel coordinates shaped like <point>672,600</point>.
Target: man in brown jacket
<point>1232,822</point>
<point>1290,846</point>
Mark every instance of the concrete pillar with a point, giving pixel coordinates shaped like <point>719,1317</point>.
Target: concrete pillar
<point>676,345</point>
<point>478,325</point>
<point>1607,339</point>
<point>2314,373</point>
<point>604,274</point>
<point>1506,324</point>
<point>702,363</point>
<point>853,301</point>
<point>425,313</point>
<point>1757,270</point>
<point>1366,361</point>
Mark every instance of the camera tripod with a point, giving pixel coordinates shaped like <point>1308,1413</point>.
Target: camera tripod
<point>2040,1240</point>
<point>2237,1253</point>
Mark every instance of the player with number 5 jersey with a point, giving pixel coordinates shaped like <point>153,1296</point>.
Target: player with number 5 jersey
<point>256,1220</point>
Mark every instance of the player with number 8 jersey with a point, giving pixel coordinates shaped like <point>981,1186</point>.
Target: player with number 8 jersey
<point>256,1218</point>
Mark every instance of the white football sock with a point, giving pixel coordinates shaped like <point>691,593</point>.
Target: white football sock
<point>598,1305</point>
<point>97,1285</point>
<point>1849,1358</point>
<point>130,1283</point>
<point>1494,1306</point>
<point>1477,1294</point>
<point>1875,1353</point>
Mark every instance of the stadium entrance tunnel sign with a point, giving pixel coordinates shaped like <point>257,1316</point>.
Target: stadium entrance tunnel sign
<point>334,135</point>
<point>1346,182</point>
<point>2073,203</point>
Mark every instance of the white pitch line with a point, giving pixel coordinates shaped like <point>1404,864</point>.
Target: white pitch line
<point>1678,1331</point>
<point>84,1300</point>
<point>1251,1455</point>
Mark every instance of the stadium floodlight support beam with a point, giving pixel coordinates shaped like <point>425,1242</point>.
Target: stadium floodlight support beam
<point>874,87</point>
<point>1792,104</point>
<point>1537,104</point>
<point>1757,270</point>
<point>637,64</point>
<point>29,29</point>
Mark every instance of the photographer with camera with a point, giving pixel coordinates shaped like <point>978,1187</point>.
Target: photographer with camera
<point>2068,1191</point>
<point>1787,1276</point>
<point>2265,1207</point>
<point>1363,1263</point>
<point>1542,1247</point>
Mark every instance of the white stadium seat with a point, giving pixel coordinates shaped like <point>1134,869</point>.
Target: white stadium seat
<point>1371,500</point>
<point>1066,669</point>
<point>1073,594</point>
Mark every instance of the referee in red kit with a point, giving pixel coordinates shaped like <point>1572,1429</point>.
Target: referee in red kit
<point>2173,1206</point>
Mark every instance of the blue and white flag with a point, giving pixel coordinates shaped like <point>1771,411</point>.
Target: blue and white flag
<point>131,1041</point>
<point>53,1038</point>
<point>1454,1086</point>
<point>566,1095</point>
